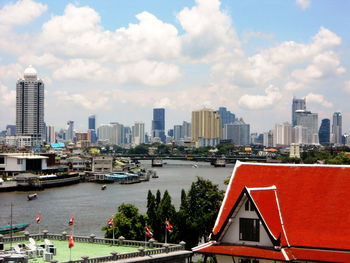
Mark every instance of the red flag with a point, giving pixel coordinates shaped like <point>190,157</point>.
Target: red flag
<point>70,241</point>
<point>168,226</point>
<point>148,232</point>
<point>110,222</point>
<point>38,219</point>
<point>71,221</point>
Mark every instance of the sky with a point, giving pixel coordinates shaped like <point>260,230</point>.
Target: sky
<point>120,59</point>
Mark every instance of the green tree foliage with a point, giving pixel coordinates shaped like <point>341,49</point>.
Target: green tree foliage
<point>341,158</point>
<point>128,223</point>
<point>226,149</point>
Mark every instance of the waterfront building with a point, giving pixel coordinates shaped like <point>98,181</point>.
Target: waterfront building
<point>310,122</point>
<point>11,130</point>
<point>266,208</point>
<point>238,132</point>
<point>297,104</point>
<point>206,124</point>
<point>337,128</point>
<point>30,106</point>
<point>158,124</point>
<point>138,133</point>
<point>22,162</point>
<point>92,122</point>
<point>70,131</point>
<point>324,132</point>
<point>282,134</point>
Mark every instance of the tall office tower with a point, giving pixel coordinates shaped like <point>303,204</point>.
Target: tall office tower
<point>127,135</point>
<point>178,132</point>
<point>238,132</point>
<point>300,135</point>
<point>309,121</point>
<point>138,133</point>
<point>324,132</point>
<point>10,130</point>
<point>105,133</point>
<point>226,116</point>
<point>282,134</point>
<point>337,128</point>
<point>298,104</point>
<point>51,136</point>
<point>268,139</point>
<point>158,124</point>
<point>70,131</point>
<point>186,129</point>
<point>206,127</point>
<point>92,122</point>
<point>30,106</point>
<point>117,133</point>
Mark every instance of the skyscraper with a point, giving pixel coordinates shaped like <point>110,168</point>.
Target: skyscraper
<point>186,129</point>
<point>238,132</point>
<point>92,122</point>
<point>226,116</point>
<point>158,124</point>
<point>70,131</point>
<point>30,106</point>
<point>206,127</point>
<point>337,128</point>
<point>282,134</point>
<point>138,133</point>
<point>309,121</point>
<point>324,132</point>
<point>298,104</point>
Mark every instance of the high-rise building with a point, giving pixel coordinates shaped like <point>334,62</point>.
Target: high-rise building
<point>138,133</point>
<point>10,130</point>
<point>158,124</point>
<point>337,128</point>
<point>226,116</point>
<point>298,104</point>
<point>51,136</point>
<point>30,106</point>
<point>92,122</point>
<point>178,132</point>
<point>206,126</point>
<point>186,129</point>
<point>238,132</point>
<point>324,132</point>
<point>309,121</point>
<point>282,134</point>
<point>268,139</point>
<point>70,131</point>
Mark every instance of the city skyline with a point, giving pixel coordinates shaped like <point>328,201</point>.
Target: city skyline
<point>105,59</point>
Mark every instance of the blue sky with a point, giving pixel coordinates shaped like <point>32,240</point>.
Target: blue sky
<point>120,59</point>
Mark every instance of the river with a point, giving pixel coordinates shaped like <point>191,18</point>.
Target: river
<point>91,207</point>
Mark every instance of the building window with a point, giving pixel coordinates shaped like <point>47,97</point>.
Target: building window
<point>249,206</point>
<point>249,229</point>
<point>2,160</point>
<point>19,161</point>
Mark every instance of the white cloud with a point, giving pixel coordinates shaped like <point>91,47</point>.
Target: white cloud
<point>209,33</point>
<point>257,102</point>
<point>319,99</point>
<point>303,3</point>
<point>292,86</point>
<point>7,96</point>
<point>45,59</point>
<point>21,13</point>
<point>11,71</point>
<point>88,101</point>
<point>347,86</point>
<point>324,65</point>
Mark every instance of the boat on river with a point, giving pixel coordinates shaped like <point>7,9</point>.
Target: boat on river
<point>15,228</point>
<point>32,196</point>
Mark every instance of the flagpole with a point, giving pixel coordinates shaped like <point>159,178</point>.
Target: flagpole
<point>70,254</point>
<point>166,234</point>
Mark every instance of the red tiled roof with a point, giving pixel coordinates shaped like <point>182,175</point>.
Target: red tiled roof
<point>313,200</point>
<point>243,251</point>
<point>320,255</point>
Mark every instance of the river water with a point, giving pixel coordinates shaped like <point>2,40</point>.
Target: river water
<point>91,207</point>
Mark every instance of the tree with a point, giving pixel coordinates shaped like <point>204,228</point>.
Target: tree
<point>199,210</point>
<point>341,158</point>
<point>128,223</point>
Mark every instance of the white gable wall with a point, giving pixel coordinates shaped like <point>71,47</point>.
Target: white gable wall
<point>232,233</point>
<point>232,259</point>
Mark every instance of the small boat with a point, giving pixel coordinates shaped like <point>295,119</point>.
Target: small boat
<point>15,228</point>
<point>103,187</point>
<point>32,196</point>
<point>195,166</point>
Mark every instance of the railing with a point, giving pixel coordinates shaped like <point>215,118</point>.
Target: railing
<point>145,248</point>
